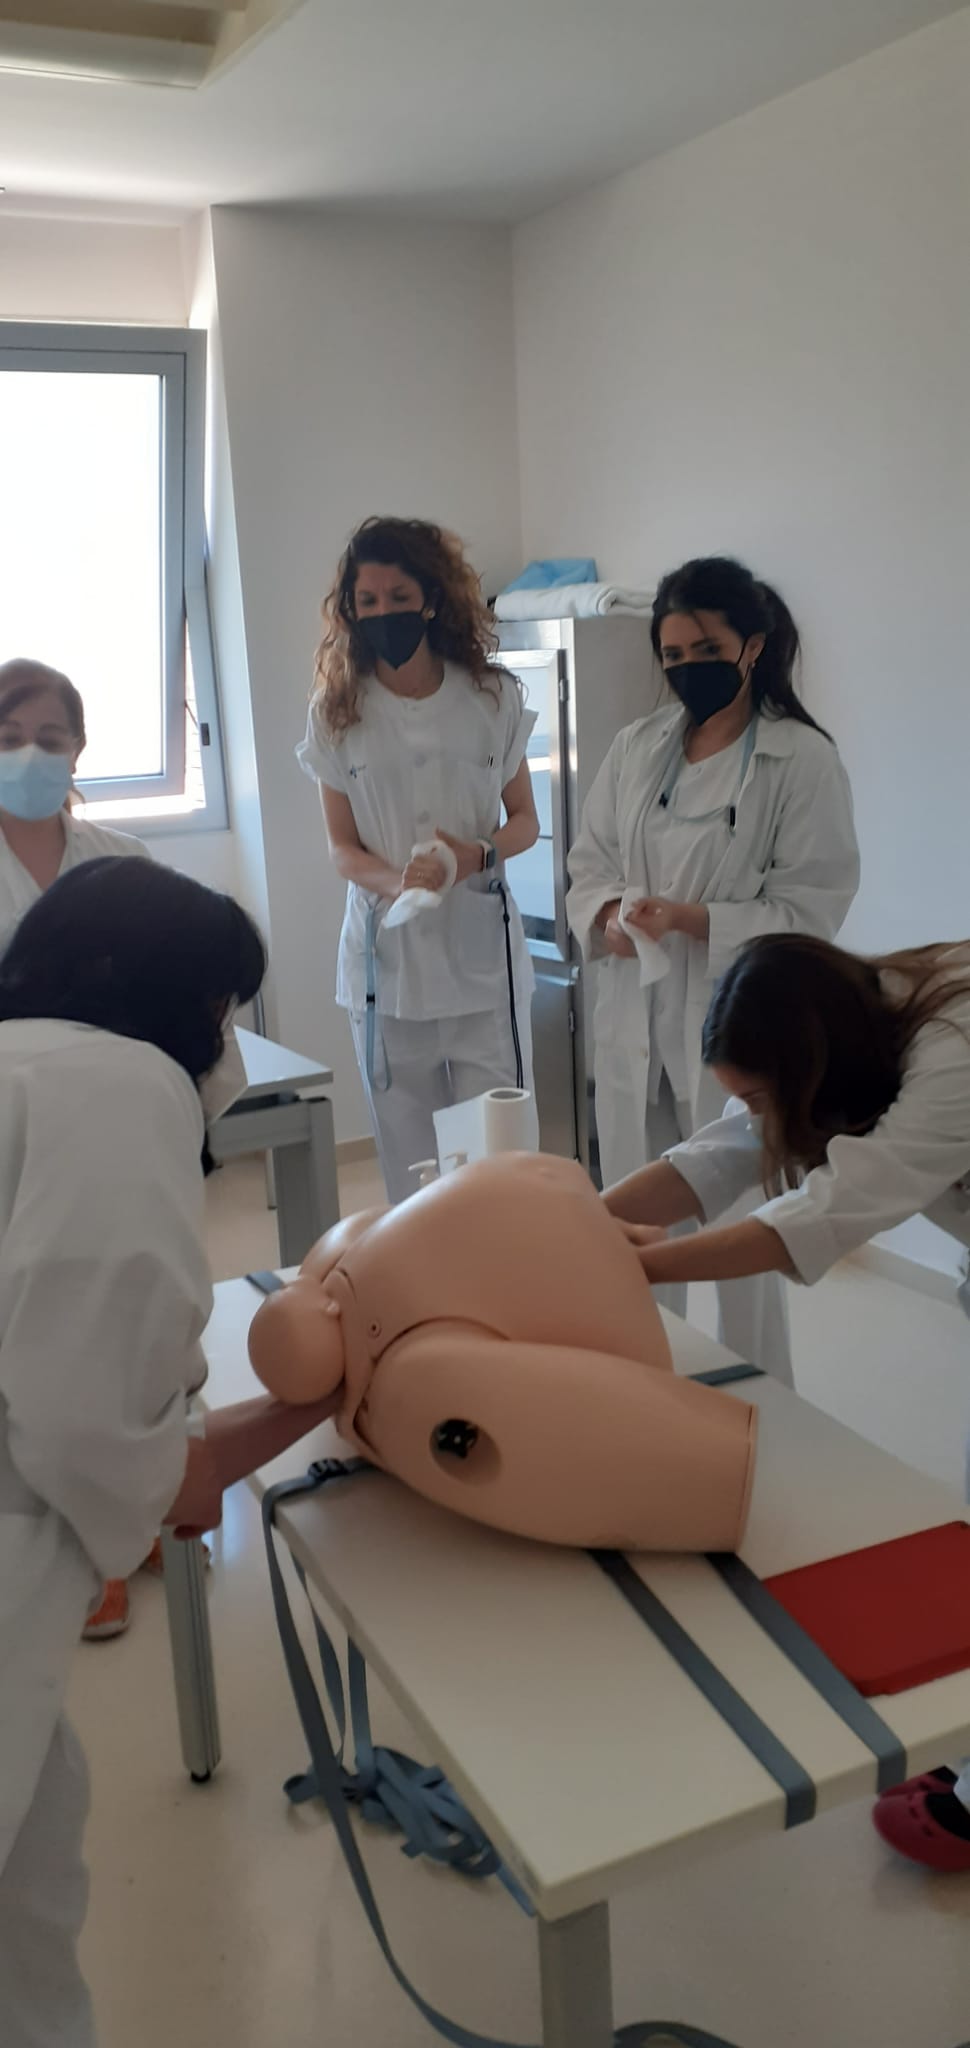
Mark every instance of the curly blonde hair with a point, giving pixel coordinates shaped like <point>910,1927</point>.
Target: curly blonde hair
<point>460,631</point>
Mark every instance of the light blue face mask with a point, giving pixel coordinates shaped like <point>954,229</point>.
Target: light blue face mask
<point>33,783</point>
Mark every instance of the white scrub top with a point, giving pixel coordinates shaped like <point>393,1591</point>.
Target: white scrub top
<point>411,765</point>
<point>83,841</point>
<point>682,843</point>
<point>104,1295</point>
<point>916,1160</point>
<point>790,863</point>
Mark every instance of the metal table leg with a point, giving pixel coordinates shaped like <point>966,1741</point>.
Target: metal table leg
<point>195,1686</point>
<point>307,1198</point>
<point>577,1982</point>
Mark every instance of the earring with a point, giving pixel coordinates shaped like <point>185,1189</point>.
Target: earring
<point>430,613</point>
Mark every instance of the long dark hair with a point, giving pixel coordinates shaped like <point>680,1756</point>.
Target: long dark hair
<point>715,583</point>
<point>460,631</point>
<point>827,1034</point>
<point>130,947</point>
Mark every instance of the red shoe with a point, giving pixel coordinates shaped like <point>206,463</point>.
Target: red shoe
<point>907,1821</point>
<point>113,1615</point>
<point>155,1562</point>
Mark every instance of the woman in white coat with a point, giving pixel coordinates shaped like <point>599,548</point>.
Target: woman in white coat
<point>725,814</point>
<point>42,737</point>
<point>114,995</point>
<point>851,1081</point>
<point>415,737</point>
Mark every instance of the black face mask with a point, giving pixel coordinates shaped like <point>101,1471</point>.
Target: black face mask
<point>393,636</point>
<point>705,687</point>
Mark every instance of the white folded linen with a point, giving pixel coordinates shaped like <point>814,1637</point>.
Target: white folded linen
<point>573,601</point>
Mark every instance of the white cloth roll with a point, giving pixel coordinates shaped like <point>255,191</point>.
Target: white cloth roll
<point>506,1118</point>
<point>654,963</point>
<point>573,601</point>
<point>502,1120</point>
<point>413,901</point>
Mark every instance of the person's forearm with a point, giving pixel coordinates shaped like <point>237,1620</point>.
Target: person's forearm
<point>693,919</point>
<point>737,1253</point>
<point>658,1194</point>
<point>368,870</point>
<point>607,911</point>
<point>252,1433</point>
<point>517,835</point>
<point>237,1441</point>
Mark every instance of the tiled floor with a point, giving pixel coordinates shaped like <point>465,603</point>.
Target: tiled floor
<point>221,1920</point>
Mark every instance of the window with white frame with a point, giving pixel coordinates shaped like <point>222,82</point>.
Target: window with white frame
<point>102,547</point>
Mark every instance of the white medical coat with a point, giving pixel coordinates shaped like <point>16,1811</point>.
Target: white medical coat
<point>104,1294</point>
<point>916,1160</point>
<point>791,864</point>
<point>409,766</point>
<point>83,841</point>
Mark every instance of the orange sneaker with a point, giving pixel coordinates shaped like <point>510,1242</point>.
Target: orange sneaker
<point>113,1615</point>
<point>155,1562</point>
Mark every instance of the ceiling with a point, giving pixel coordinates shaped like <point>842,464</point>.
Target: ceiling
<point>474,109</point>
<point>163,42</point>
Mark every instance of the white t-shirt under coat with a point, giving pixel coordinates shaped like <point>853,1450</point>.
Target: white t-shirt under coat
<point>83,841</point>
<point>684,844</point>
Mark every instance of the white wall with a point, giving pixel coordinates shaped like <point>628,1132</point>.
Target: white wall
<point>75,269</point>
<point>760,344</point>
<point>368,367</point>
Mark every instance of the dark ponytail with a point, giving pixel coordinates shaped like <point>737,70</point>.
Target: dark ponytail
<point>714,583</point>
<point>827,1035</point>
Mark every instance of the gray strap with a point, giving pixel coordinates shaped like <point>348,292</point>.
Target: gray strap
<point>326,1763</point>
<point>670,2034</point>
<point>795,1782</point>
<point>329,1781</point>
<point>370,1012</point>
<point>727,1375</point>
<point>837,1691</point>
<point>266,1283</point>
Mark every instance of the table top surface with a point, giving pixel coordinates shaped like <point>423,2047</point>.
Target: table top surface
<point>577,1741</point>
<point>272,1070</point>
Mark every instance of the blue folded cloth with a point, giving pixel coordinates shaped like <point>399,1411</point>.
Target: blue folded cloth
<point>546,575</point>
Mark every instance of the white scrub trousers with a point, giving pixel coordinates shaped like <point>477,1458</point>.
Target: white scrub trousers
<point>44,2002</point>
<point>430,1064</point>
<point>752,1315</point>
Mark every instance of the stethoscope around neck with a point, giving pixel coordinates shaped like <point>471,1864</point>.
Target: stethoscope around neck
<point>676,762</point>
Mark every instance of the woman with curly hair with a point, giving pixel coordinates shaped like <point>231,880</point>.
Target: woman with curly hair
<point>414,736</point>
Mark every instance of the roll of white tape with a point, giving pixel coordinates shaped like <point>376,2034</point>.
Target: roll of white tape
<point>508,1125</point>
